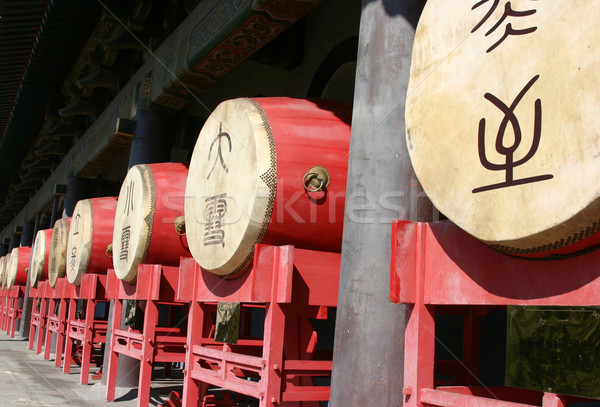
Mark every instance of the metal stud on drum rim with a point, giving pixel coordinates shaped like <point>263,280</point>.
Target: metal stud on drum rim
<point>58,251</point>
<point>150,200</point>
<point>40,252</point>
<point>248,180</point>
<point>90,233</point>
<point>502,121</point>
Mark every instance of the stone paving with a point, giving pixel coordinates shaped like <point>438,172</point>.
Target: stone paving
<point>27,379</point>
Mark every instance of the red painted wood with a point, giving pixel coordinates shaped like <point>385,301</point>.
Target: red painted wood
<point>292,285</point>
<point>308,133</point>
<point>155,284</point>
<point>436,265</point>
<point>459,269</point>
<point>22,265</point>
<point>103,221</point>
<point>166,246</point>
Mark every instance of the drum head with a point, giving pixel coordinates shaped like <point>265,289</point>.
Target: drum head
<point>12,268</point>
<point>2,270</point>
<point>133,222</point>
<point>231,186</point>
<point>58,251</point>
<point>38,258</point>
<point>79,242</point>
<point>502,119</point>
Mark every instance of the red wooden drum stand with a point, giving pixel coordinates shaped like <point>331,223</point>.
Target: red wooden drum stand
<point>14,308</point>
<point>2,307</point>
<point>4,315</point>
<point>291,285</point>
<point>88,331</point>
<point>155,285</point>
<point>435,266</point>
<point>57,322</point>
<point>41,295</point>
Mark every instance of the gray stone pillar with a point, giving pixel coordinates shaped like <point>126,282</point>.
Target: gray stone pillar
<point>369,338</point>
<point>150,145</point>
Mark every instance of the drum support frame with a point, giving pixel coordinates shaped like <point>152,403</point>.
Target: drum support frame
<point>38,323</point>
<point>13,308</point>
<point>57,323</point>
<point>436,266</point>
<point>155,285</point>
<point>90,331</point>
<point>291,285</point>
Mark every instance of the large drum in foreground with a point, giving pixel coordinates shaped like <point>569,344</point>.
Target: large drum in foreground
<point>38,270</point>
<point>90,234</point>
<point>150,201</point>
<point>16,270</point>
<point>268,170</point>
<point>503,123</point>
<point>58,251</point>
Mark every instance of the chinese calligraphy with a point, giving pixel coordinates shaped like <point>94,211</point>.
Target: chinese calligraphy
<point>129,198</point>
<point>125,236</point>
<point>508,151</point>
<point>508,12</point>
<point>216,207</point>
<point>219,155</point>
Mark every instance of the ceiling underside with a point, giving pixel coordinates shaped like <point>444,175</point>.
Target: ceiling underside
<point>39,42</point>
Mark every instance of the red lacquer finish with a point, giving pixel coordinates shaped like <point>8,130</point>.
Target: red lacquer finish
<point>23,253</point>
<point>308,132</point>
<point>166,245</point>
<point>104,217</point>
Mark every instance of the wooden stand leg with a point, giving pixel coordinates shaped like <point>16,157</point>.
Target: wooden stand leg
<point>86,352</point>
<point>113,357</point>
<point>31,326</point>
<point>191,390</point>
<point>62,329</point>
<point>48,336</point>
<point>40,330</point>
<point>147,362</point>
<point>68,339</point>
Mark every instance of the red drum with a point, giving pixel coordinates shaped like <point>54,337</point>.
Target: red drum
<point>16,271</point>
<point>267,170</point>
<point>58,250</point>
<point>90,234</point>
<point>40,252</point>
<point>150,200</point>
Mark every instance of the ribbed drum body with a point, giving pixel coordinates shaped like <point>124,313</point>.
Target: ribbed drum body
<point>17,267</point>
<point>57,256</point>
<point>90,234</point>
<point>246,183</point>
<point>151,198</point>
<point>40,253</point>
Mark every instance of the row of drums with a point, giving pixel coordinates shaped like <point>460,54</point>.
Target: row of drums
<point>264,170</point>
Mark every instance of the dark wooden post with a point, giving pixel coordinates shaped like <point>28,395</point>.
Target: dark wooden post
<point>381,187</point>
